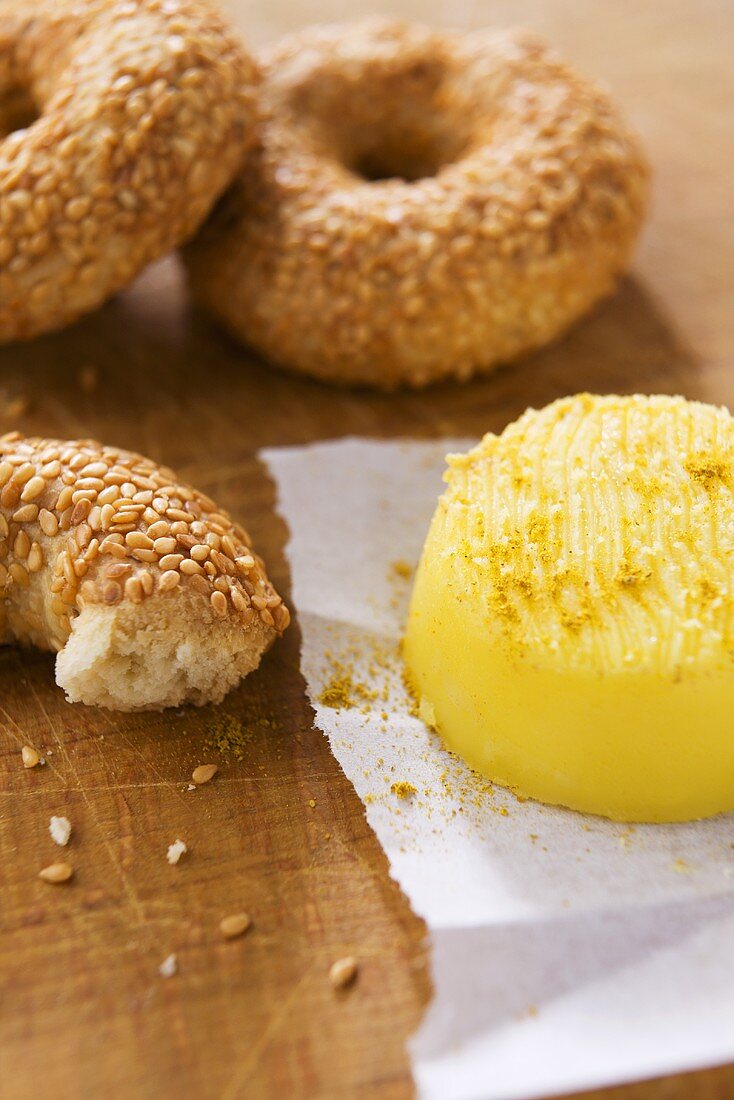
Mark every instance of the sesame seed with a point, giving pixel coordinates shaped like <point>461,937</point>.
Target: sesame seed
<point>170,561</point>
<point>203,773</point>
<point>190,568</point>
<point>48,522</point>
<point>27,514</point>
<point>29,756</point>
<point>234,925</point>
<point>56,873</point>
<point>119,570</point>
<point>343,972</point>
<point>134,590</point>
<point>64,499</point>
<point>164,545</point>
<point>219,603</point>
<point>35,558</point>
<point>136,540</point>
<point>33,488</point>
<point>169,581</point>
<point>158,529</point>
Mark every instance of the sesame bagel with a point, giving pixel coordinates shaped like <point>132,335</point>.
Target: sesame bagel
<point>134,115</point>
<point>150,594</point>
<point>423,205</point>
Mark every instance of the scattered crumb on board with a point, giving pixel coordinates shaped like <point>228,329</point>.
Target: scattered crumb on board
<point>169,966</point>
<point>175,851</point>
<point>60,830</point>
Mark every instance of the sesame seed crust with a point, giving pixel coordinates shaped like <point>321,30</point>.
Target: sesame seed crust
<point>98,531</point>
<point>422,205</point>
<point>144,109</point>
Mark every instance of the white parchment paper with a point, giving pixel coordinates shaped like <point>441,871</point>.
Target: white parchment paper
<point>567,952</point>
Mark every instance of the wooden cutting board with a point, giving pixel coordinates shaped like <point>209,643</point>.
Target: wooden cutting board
<point>281,833</point>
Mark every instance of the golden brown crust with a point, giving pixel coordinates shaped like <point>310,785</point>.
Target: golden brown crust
<point>522,194</point>
<point>145,109</point>
<point>83,524</point>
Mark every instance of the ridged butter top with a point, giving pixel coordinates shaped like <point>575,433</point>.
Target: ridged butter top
<point>598,533</point>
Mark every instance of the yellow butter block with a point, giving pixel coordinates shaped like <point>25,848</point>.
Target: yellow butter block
<point>571,629</point>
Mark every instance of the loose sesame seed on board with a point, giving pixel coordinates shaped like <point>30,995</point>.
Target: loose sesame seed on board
<point>56,873</point>
<point>343,972</point>
<point>30,757</point>
<point>236,924</point>
<point>204,773</point>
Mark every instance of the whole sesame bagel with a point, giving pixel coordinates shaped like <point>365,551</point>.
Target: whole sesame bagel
<point>150,594</point>
<point>423,205</point>
<point>124,121</point>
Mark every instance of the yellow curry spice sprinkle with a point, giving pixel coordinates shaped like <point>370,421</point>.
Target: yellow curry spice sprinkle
<point>402,569</point>
<point>403,789</point>
<point>228,736</point>
<point>342,691</point>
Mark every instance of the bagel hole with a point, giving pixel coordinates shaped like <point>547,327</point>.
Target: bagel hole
<point>386,118</point>
<point>17,111</point>
<point>413,147</point>
<point>401,162</point>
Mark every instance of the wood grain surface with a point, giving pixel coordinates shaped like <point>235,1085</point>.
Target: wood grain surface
<point>83,1010</point>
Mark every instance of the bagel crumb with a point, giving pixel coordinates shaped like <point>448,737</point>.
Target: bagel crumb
<point>343,972</point>
<point>60,830</point>
<point>169,966</point>
<point>175,851</point>
<point>56,873</point>
<point>204,773</point>
<point>29,757</point>
<point>235,925</point>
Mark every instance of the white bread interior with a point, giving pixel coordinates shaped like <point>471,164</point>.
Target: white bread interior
<point>168,650</point>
